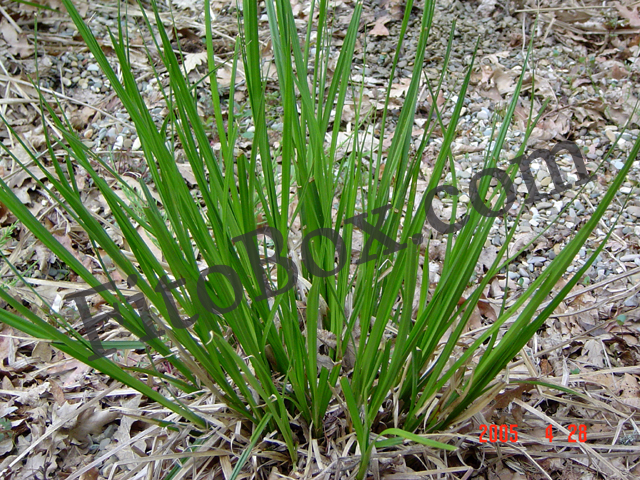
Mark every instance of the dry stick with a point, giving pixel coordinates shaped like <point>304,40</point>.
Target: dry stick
<point>524,452</point>
<point>604,226</point>
<point>141,435</point>
<point>52,429</point>
<point>583,446</point>
<point>10,20</point>
<point>620,296</point>
<point>6,78</point>
<point>121,445</point>
<point>571,295</point>
<point>19,248</point>
<point>215,452</point>
<point>555,9</point>
<point>135,11</point>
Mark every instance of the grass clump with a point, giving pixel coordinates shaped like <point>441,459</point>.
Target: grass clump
<point>275,329</point>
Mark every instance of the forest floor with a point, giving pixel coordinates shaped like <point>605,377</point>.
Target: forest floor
<point>59,419</point>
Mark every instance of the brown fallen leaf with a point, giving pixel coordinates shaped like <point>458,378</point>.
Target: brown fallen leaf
<point>486,309</point>
<point>399,89</point>
<point>91,474</point>
<point>192,60</point>
<point>520,240</point>
<point>186,170</point>
<point>17,42</point>
<point>91,422</point>
<point>629,14</point>
<point>6,217</point>
<point>504,80</point>
<point>149,242</point>
<point>81,118</point>
<point>629,391</point>
<point>379,28</point>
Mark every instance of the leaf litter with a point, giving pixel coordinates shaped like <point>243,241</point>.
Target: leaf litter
<point>64,421</point>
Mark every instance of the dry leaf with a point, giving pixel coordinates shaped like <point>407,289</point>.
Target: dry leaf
<point>17,43</point>
<point>486,7</point>
<point>187,173</point>
<point>72,370</point>
<point>592,353</point>
<point>123,433</point>
<point>184,4</point>
<point>157,253</point>
<point>223,75</point>
<point>192,60</point>
<point>487,257</point>
<point>399,89</point>
<point>521,240</point>
<point>629,13</point>
<point>92,474</point>
<point>486,308</point>
<point>8,346</point>
<point>630,391</point>
<point>42,352</point>
<point>91,422</point>
<point>58,394</point>
<point>504,80</point>
<point>379,28</point>
<point>80,119</point>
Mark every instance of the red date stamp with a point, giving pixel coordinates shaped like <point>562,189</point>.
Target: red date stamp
<point>581,431</point>
<point>498,433</point>
<point>508,433</point>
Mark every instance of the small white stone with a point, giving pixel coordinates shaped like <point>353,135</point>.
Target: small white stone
<point>634,211</point>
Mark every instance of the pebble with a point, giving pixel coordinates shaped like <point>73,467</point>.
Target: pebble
<point>537,260</point>
<point>634,211</point>
<point>483,115</point>
<point>629,258</point>
<point>618,164</point>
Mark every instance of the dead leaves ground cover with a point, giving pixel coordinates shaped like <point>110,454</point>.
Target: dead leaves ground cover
<point>60,420</point>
